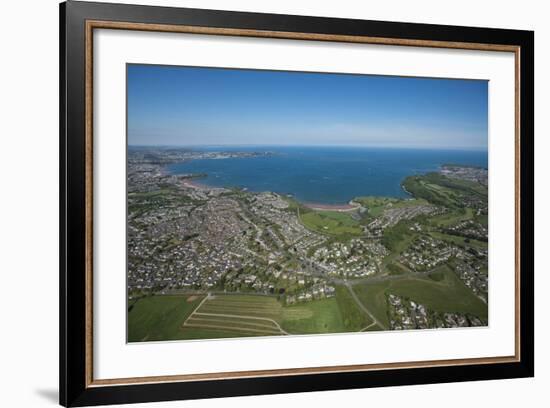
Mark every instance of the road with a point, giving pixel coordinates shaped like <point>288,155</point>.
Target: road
<point>383,278</point>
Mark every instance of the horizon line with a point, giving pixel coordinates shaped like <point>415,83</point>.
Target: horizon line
<point>210,145</point>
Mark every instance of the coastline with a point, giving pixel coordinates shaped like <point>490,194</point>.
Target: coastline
<point>406,191</point>
<point>351,206</point>
<point>190,183</point>
<point>310,199</point>
<point>332,207</point>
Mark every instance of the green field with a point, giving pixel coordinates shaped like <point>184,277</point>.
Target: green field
<point>397,268</point>
<point>331,223</point>
<point>175,317</point>
<point>443,292</point>
<point>452,217</point>
<point>432,192</point>
<point>460,241</point>
<point>397,238</point>
<point>140,203</point>
<point>354,319</point>
<point>482,219</point>
<point>267,316</point>
<point>441,190</point>
<point>373,297</point>
<point>375,205</point>
<point>222,316</point>
<point>319,316</point>
<point>409,202</point>
<point>159,317</point>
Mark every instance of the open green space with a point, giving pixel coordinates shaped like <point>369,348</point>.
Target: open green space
<point>459,240</point>
<point>330,315</point>
<point>420,186</point>
<point>440,291</point>
<point>482,219</point>
<point>376,205</point>
<point>452,217</point>
<point>177,317</point>
<point>331,222</point>
<point>140,203</point>
<point>318,316</point>
<point>354,319</point>
<point>397,268</point>
<point>448,294</point>
<point>397,238</point>
<point>409,202</point>
<point>373,297</point>
<point>445,191</point>
<point>150,194</point>
<point>154,318</point>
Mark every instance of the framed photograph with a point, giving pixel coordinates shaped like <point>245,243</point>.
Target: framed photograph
<point>256,204</point>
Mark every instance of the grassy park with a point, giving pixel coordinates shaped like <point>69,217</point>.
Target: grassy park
<point>331,222</point>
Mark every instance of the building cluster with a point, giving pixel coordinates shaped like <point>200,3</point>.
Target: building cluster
<point>472,269</point>
<point>354,259</point>
<point>282,224</point>
<point>406,314</point>
<point>315,292</point>
<point>139,155</point>
<point>476,174</point>
<point>425,253</point>
<point>469,229</point>
<point>392,215</point>
<point>184,235</point>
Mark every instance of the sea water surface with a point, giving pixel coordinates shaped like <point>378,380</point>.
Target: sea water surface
<point>324,175</point>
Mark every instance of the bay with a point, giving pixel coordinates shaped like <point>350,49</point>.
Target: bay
<point>324,175</point>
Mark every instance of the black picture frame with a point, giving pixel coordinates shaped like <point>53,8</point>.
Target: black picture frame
<point>75,389</point>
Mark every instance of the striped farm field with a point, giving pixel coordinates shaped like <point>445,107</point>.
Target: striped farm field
<point>244,315</point>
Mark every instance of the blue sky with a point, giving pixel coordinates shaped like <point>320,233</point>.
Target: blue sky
<point>214,106</point>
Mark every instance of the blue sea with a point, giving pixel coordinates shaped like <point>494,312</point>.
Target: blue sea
<point>327,175</point>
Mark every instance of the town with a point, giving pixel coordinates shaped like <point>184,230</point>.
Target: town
<point>185,237</point>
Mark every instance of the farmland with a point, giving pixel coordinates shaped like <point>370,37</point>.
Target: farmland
<point>264,315</point>
<point>214,316</point>
<point>246,315</point>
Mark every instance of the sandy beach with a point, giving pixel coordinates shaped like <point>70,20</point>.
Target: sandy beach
<point>189,183</point>
<point>332,207</point>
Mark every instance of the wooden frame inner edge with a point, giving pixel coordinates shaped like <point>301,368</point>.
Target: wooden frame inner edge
<point>89,213</point>
<point>91,24</point>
